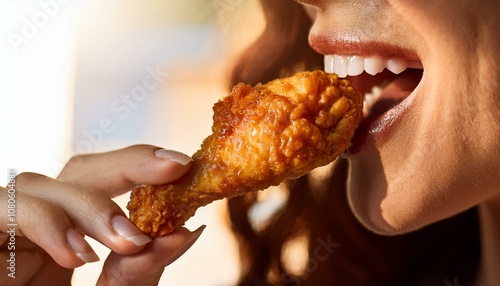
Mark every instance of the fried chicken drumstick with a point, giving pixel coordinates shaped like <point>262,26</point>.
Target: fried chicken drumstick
<point>262,135</point>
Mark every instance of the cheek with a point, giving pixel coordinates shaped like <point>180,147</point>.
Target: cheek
<point>366,189</point>
<point>443,25</point>
<point>398,198</point>
<point>442,160</point>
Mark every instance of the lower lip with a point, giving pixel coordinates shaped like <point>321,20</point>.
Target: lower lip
<point>380,127</point>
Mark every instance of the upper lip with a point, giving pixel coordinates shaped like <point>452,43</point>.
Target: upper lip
<point>354,44</point>
<point>345,44</point>
<point>350,42</point>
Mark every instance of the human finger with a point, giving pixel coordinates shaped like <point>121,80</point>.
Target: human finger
<point>50,273</point>
<point>27,264</point>
<point>146,267</point>
<point>91,212</point>
<point>20,268</point>
<point>118,171</point>
<point>46,225</point>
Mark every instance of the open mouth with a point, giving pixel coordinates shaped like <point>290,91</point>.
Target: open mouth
<point>386,82</point>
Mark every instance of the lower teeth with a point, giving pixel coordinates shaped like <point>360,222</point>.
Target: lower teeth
<point>370,99</point>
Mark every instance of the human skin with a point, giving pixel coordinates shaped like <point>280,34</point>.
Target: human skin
<point>435,154</point>
<point>53,215</point>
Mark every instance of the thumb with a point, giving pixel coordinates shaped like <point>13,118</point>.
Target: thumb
<point>117,172</point>
<point>146,267</point>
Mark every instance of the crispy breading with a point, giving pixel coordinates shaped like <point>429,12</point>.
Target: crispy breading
<point>261,136</point>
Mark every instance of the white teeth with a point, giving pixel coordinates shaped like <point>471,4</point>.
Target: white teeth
<point>340,65</point>
<point>370,99</point>
<point>396,65</point>
<point>355,65</point>
<point>374,65</point>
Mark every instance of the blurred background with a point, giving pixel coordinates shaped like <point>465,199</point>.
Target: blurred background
<point>93,76</point>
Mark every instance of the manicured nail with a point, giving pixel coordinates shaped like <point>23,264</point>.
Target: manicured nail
<point>175,156</point>
<point>187,245</point>
<point>129,231</point>
<point>195,235</point>
<point>80,246</point>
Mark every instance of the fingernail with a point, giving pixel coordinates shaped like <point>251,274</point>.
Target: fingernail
<point>195,235</point>
<point>80,246</point>
<point>129,231</point>
<point>187,245</point>
<point>175,156</point>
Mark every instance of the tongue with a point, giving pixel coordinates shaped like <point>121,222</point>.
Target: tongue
<point>396,91</point>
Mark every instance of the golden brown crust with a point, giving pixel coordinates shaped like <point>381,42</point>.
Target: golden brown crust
<point>261,136</point>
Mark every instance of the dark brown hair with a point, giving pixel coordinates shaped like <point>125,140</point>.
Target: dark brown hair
<point>340,250</point>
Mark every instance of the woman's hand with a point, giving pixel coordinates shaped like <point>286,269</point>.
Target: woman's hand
<point>54,215</point>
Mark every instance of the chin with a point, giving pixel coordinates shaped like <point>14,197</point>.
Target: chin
<point>389,199</point>
<point>385,207</point>
<point>378,219</point>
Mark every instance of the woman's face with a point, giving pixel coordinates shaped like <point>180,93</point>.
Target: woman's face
<point>430,143</point>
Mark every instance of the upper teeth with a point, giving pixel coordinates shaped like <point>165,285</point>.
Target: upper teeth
<point>355,65</point>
